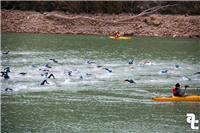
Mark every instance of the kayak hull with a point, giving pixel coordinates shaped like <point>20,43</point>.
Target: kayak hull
<point>192,98</point>
<point>120,38</point>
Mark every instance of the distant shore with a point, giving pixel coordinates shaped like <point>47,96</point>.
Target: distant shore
<point>100,24</point>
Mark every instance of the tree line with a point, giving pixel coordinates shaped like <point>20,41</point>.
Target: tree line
<point>110,7</point>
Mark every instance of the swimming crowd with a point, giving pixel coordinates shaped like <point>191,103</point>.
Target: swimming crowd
<point>176,90</point>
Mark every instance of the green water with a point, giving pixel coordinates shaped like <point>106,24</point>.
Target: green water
<point>101,102</point>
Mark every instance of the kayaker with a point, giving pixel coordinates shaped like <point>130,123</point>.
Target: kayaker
<point>117,34</point>
<point>177,91</point>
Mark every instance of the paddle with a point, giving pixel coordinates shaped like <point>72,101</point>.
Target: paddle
<point>198,91</point>
<point>186,86</point>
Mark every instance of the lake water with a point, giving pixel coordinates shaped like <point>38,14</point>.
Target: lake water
<point>92,99</point>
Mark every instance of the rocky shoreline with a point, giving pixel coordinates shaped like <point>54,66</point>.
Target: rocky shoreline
<point>100,24</point>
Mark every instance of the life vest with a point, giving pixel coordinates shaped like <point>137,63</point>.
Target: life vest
<point>174,90</point>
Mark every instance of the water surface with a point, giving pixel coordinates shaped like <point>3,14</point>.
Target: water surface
<point>99,101</point>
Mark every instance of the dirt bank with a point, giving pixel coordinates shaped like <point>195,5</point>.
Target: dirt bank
<point>100,24</point>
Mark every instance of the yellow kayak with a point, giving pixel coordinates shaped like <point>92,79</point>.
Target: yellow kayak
<point>192,98</point>
<point>120,38</point>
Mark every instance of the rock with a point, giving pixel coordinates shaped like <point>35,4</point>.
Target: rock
<point>174,35</point>
<point>156,22</point>
<point>153,20</point>
<point>59,22</point>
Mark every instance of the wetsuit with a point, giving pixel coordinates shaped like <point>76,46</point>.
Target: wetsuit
<point>51,75</point>
<point>22,73</point>
<point>90,62</point>
<point>47,65</point>
<point>108,70</point>
<point>6,52</point>
<point>70,73</point>
<point>130,81</point>
<point>47,77</point>
<point>5,75</point>
<point>45,81</point>
<point>8,89</point>
<point>130,62</point>
<point>7,69</point>
<point>54,60</point>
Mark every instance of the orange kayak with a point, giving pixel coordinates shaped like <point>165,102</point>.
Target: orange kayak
<point>192,98</point>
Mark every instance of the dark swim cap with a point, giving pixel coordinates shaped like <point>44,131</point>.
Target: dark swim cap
<point>177,85</point>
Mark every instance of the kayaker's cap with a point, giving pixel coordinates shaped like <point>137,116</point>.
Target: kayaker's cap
<point>177,85</point>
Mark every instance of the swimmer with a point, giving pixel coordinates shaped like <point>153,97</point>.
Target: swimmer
<point>23,73</point>
<point>6,52</point>
<point>196,73</point>
<point>51,75</point>
<point>5,75</point>
<point>145,62</point>
<point>8,89</point>
<point>163,71</point>
<point>130,62</point>
<point>54,60</point>
<point>33,65</point>
<point>43,82</point>
<point>81,77</point>
<point>99,66</point>
<point>70,73</point>
<point>186,78</point>
<point>47,77</point>
<point>108,70</point>
<point>45,70</point>
<point>44,74</point>
<point>7,69</point>
<point>2,73</point>
<point>90,62</point>
<point>88,74</point>
<point>47,65</point>
<point>130,81</point>
<point>177,66</point>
